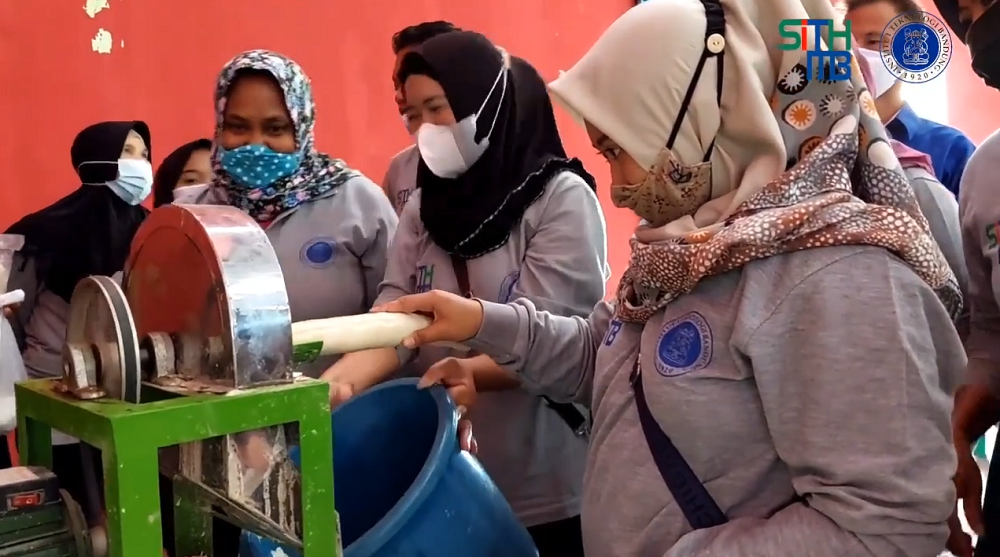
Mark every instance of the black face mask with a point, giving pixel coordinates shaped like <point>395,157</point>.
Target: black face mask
<point>983,39</point>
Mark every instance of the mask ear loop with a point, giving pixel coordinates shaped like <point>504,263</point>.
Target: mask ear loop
<point>503,92</point>
<point>715,44</point>
<point>96,162</point>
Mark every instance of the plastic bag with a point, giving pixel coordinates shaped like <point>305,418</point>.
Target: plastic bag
<point>11,371</point>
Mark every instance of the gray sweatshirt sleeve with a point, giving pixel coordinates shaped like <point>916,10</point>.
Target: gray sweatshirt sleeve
<point>980,213</point>
<point>984,334</point>
<point>401,265</point>
<point>377,222</point>
<point>565,265</point>
<point>848,374</point>
<point>940,208</point>
<point>399,279</point>
<point>553,355</point>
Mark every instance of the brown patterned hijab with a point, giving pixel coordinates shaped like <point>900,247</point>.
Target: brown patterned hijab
<point>798,163</point>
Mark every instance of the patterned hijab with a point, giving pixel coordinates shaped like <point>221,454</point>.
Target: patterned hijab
<point>797,163</point>
<point>317,175</point>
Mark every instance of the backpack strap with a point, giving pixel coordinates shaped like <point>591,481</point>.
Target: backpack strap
<point>690,494</point>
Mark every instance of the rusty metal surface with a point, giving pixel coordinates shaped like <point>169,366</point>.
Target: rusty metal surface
<point>207,278</point>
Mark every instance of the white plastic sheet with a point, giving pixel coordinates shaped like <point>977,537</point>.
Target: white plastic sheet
<point>11,371</point>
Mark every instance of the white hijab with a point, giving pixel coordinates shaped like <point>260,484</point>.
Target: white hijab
<point>631,84</point>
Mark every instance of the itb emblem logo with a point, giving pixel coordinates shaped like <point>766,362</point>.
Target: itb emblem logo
<point>916,47</point>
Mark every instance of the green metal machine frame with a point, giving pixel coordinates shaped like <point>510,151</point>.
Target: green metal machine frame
<point>130,435</point>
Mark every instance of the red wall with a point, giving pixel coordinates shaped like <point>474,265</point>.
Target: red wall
<point>54,84</point>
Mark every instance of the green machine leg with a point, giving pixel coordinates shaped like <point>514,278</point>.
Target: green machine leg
<point>130,435</point>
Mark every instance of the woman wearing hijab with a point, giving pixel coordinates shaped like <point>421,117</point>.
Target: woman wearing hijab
<point>330,226</point>
<point>88,232</point>
<point>502,212</point>
<point>184,176</point>
<point>774,375</point>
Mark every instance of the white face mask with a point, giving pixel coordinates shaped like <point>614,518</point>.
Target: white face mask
<point>449,151</point>
<point>882,78</point>
<point>189,194</point>
<point>134,181</point>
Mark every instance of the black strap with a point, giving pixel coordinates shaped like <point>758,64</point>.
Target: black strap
<point>567,412</point>
<point>695,501</point>
<point>462,275</point>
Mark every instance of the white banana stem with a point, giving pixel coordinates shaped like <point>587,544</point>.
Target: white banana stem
<point>353,333</point>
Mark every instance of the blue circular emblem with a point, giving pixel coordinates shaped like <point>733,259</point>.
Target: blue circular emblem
<point>318,252</point>
<point>506,293</point>
<point>916,47</point>
<point>685,345</point>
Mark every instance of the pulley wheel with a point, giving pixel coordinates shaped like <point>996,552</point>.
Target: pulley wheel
<point>101,320</point>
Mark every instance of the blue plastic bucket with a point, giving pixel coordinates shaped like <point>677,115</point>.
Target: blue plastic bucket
<point>403,486</point>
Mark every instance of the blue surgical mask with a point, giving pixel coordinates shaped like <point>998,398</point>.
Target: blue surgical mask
<point>257,166</point>
<point>134,181</point>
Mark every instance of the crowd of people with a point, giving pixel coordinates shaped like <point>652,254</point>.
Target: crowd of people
<point>777,370</point>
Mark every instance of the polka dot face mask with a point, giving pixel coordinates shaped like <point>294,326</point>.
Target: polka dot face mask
<point>256,166</point>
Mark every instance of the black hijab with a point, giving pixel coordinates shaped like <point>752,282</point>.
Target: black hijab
<point>170,170</point>
<point>89,231</point>
<point>473,214</point>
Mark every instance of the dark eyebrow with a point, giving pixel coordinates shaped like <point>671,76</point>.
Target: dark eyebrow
<point>277,120</point>
<point>432,99</point>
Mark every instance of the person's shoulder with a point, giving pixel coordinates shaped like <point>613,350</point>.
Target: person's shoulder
<point>568,181</point>
<point>408,153</point>
<point>852,273</point>
<point>566,187</point>
<point>950,138</point>
<point>987,155</point>
<point>565,193</point>
<point>404,158</point>
<point>359,194</point>
<point>981,169</point>
<point>361,185</point>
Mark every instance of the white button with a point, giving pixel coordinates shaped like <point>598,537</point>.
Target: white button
<point>715,43</point>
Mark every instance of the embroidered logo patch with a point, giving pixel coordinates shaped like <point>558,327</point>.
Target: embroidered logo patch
<point>425,278</point>
<point>318,252</point>
<point>685,345</point>
<point>506,293</point>
<point>613,328</point>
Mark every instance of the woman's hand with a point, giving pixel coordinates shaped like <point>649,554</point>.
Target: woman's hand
<point>969,485</point>
<point>339,392</point>
<point>456,318</point>
<point>456,375</point>
<point>9,311</point>
<point>465,438</point>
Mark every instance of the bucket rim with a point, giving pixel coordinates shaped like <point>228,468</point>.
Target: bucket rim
<point>445,441</point>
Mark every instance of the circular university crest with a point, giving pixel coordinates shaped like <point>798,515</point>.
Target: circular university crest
<point>916,47</point>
